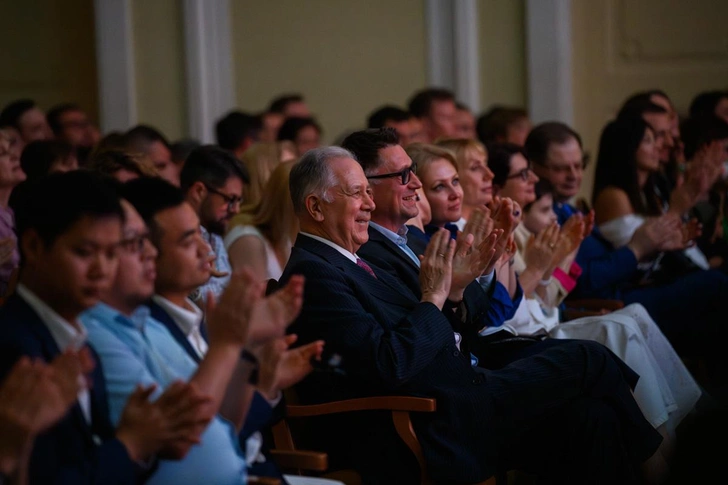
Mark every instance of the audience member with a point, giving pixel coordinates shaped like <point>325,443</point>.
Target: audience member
<point>78,239</point>
<point>70,124</point>
<point>119,165</point>
<point>213,182</point>
<point>290,106</point>
<point>435,109</point>
<point>41,158</point>
<point>260,160</point>
<point>464,122</point>
<point>270,124</point>
<point>11,174</point>
<point>304,133</point>
<point>503,124</point>
<point>710,103</point>
<point>237,131</point>
<point>585,428</point>
<point>260,237</point>
<point>154,148</point>
<point>28,119</point>
<point>181,149</point>
<point>407,127</point>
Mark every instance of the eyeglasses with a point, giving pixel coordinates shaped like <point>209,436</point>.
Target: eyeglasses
<point>231,201</point>
<point>405,175</point>
<point>135,244</point>
<point>525,174</point>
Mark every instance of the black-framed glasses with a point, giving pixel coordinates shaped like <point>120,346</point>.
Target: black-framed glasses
<point>231,201</point>
<point>135,244</point>
<point>524,174</point>
<point>405,174</point>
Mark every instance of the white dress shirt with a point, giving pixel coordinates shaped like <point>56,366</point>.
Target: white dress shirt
<point>188,321</point>
<point>347,254</point>
<point>66,336</point>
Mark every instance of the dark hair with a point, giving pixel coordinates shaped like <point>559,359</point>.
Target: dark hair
<point>141,136</point>
<point>493,124</point>
<point>212,166</point>
<point>10,115</point>
<point>54,116</point>
<point>181,149</point>
<point>39,156</point>
<point>52,204</point>
<point>290,128</point>
<point>499,160</point>
<point>700,131</point>
<point>617,166</point>
<point>387,113</point>
<point>111,161</point>
<point>280,103</point>
<point>641,103</point>
<point>704,103</point>
<point>150,196</point>
<point>421,102</point>
<point>543,136</point>
<point>542,188</point>
<point>365,145</point>
<point>235,127</point>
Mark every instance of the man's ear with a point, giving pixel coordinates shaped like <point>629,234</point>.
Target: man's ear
<point>196,193</point>
<point>32,246</point>
<point>314,207</point>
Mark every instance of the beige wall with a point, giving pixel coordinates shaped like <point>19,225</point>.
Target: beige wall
<point>346,57</point>
<point>48,53</point>
<point>160,66</point>
<point>621,47</point>
<point>502,52</point>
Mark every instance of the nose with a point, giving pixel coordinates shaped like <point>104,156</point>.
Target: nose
<point>368,202</point>
<point>532,177</point>
<point>489,175</point>
<point>414,182</point>
<point>149,251</point>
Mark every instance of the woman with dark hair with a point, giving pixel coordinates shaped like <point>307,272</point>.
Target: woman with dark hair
<point>624,190</point>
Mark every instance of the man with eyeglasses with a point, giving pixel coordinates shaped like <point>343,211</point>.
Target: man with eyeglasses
<point>213,182</point>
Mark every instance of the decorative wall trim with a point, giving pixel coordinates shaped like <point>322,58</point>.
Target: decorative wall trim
<point>208,56</point>
<point>115,65</point>
<point>549,60</point>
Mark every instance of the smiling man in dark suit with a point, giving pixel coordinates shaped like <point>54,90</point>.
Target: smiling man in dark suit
<point>566,415</point>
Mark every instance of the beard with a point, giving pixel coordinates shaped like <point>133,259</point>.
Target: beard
<point>217,227</point>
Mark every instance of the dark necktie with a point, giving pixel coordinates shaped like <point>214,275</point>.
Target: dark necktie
<point>360,262</point>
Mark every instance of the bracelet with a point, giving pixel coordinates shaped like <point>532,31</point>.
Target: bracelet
<point>251,359</point>
<point>546,282</point>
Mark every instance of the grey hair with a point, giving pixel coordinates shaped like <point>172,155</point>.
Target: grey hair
<point>312,175</point>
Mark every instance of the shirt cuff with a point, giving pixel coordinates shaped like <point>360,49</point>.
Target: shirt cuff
<point>486,281</point>
<point>566,281</point>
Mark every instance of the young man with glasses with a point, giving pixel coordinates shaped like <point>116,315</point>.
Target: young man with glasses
<point>213,182</point>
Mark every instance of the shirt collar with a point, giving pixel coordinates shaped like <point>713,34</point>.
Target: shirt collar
<point>187,320</point>
<point>399,238</point>
<point>64,333</point>
<point>347,254</point>
<point>104,312</point>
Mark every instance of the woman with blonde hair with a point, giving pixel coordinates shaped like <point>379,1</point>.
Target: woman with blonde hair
<point>476,178</point>
<point>261,236</point>
<point>261,159</point>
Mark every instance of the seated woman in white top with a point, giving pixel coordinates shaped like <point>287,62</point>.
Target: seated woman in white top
<point>666,391</point>
<point>261,159</point>
<point>261,236</point>
<point>625,191</point>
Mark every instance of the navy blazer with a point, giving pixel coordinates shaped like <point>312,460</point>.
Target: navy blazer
<point>391,343</point>
<point>72,451</point>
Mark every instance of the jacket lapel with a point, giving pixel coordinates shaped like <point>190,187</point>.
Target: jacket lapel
<point>163,317</point>
<point>376,237</point>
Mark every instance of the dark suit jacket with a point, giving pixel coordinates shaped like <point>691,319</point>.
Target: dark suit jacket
<point>68,452</point>
<point>384,253</point>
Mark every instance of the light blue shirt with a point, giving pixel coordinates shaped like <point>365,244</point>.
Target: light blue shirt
<point>140,350</point>
<point>215,284</point>
<point>399,238</point>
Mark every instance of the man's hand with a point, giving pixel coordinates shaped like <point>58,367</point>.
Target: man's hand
<point>168,426</point>
<point>436,268</point>
<point>272,315</point>
<point>228,320</point>
<point>469,263</point>
<point>281,367</point>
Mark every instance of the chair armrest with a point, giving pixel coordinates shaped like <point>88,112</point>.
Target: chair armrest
<point>305,460</point>
<point>378,403</point>
<point>594,304</point>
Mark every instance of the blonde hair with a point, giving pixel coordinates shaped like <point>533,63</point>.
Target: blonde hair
<point>423,154</point>
<point>260,159</point>
<point>273,214</point>
<point>460,147</point>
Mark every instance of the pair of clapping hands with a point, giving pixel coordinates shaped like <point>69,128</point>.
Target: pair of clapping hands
<point>448,266</point>
<point>556,246</point>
